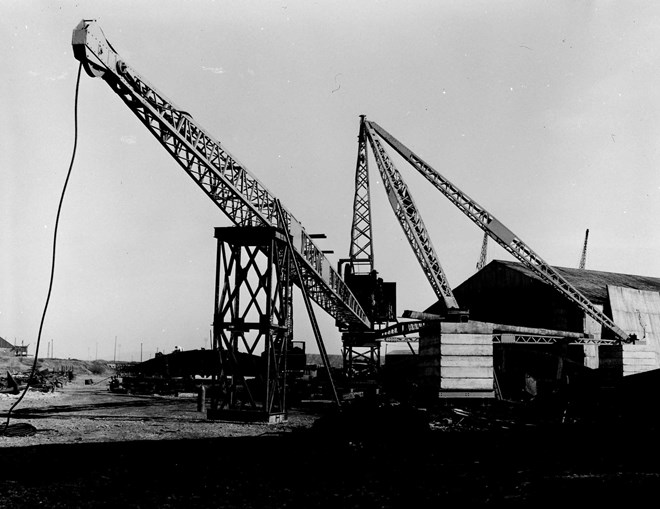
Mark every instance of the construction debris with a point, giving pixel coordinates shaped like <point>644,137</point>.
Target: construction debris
<point>42,380</point>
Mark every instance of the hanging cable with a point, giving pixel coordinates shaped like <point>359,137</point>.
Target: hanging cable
<point>5,431</point>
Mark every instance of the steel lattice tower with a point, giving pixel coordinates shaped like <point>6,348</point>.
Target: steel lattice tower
<point>361,251</point>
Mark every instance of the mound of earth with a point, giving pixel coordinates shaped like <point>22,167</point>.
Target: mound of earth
<point>18,365</point>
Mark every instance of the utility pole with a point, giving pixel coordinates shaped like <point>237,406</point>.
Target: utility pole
<point>114,358</point>
<point>140,352</point>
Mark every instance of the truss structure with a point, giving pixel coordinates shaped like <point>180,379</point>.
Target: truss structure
<point>253,322</point>
<point>515,338</point>
<point>501,234</point>
<point>236,191</point>
<point>545,340</point>
<point>411,222</point>
<point>361,361</point>
<point>361,255</point>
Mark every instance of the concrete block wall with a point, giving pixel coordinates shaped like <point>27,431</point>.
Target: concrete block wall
<point>639,358</point>
<point>457,359</point>
<point>466,362</point>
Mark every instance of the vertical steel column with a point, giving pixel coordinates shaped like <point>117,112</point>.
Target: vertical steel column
<point>252,323</point>
<point>361,257</point>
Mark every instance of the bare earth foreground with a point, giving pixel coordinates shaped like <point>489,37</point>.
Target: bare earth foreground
<point>79,413</point>
<point>94,448</point>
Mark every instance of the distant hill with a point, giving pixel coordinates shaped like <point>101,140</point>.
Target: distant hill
<point>15,365</point>
<point>336,361</point>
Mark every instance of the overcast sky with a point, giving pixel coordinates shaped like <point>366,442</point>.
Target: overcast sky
<point>545,113</point>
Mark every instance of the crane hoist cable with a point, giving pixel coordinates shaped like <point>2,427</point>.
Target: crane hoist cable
<point>7,430</point>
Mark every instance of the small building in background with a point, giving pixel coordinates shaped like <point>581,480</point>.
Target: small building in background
<point>17,350</point>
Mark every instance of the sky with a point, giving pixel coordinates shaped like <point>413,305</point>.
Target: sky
<point>545,113</point>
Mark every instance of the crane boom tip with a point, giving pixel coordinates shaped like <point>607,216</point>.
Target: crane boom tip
<point>92,49</point>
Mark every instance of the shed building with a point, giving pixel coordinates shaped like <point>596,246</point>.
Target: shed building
<point>18,350</point>
<point>509,293</point>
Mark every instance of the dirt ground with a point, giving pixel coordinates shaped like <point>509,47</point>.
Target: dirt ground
<point>79,413</point>
<point>93,448</point>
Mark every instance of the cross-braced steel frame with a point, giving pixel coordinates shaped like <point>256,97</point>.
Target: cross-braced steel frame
<point>359,358</point>
<point>361,361</point>
<point>252,323</point>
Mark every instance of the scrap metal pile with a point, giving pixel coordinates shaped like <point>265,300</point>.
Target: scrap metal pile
<point>44,380</point>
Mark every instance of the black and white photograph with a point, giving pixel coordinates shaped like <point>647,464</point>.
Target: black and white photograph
<point>329,254</point>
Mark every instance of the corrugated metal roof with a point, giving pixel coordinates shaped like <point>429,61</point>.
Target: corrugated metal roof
<point>591,283</point>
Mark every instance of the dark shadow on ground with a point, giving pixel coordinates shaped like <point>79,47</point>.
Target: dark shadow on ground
<point>55,410</point>
<point>322,469</point>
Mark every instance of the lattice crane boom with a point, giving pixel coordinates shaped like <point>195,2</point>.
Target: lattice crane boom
<point>238,193</point>
<point>501,234</point>
<point>411,222</point>
<point>361,255</point>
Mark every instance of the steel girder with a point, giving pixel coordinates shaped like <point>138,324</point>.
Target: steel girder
<point>536,339</point>
<point>514,338</point>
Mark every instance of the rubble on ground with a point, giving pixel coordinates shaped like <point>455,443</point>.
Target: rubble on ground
<point>44,380</point>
